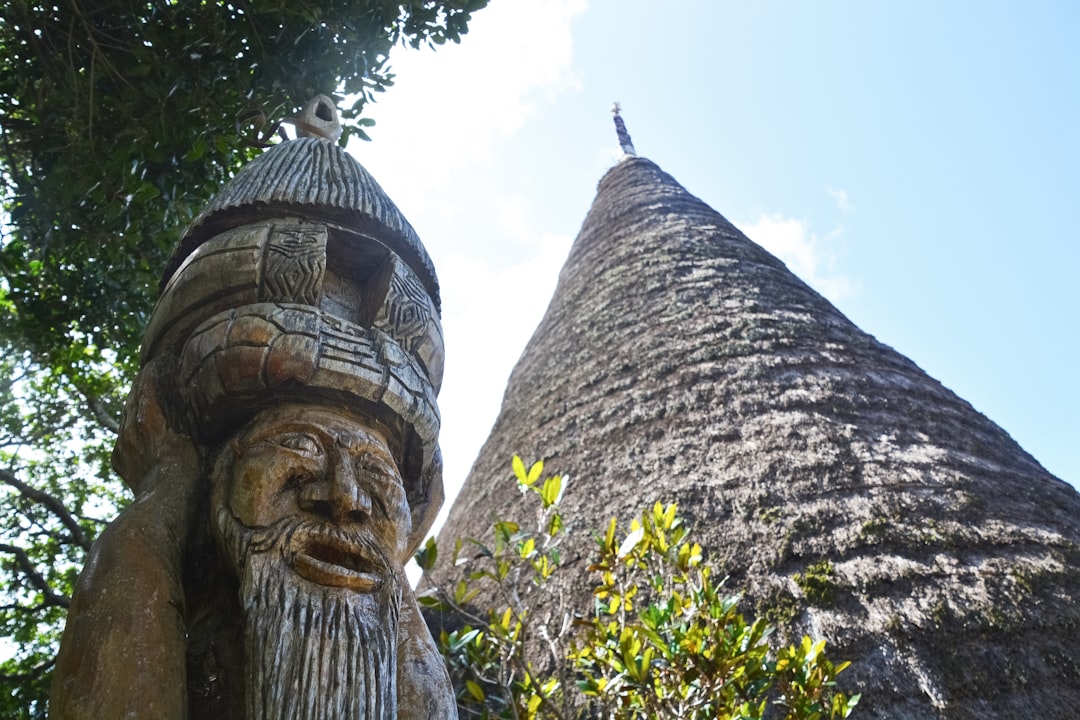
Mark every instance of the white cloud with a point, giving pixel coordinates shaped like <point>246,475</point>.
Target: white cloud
<point>841,198</point>
<point>804,253</point>
<point>450,106</point>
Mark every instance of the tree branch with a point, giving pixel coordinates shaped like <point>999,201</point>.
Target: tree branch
<point>97,409</point>
<point>51,502</point>
<point>33,674</point>
<point>36,579</point>
<point>27,609</point>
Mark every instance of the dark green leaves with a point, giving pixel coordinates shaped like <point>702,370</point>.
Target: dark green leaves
<point>427,555</point>
<point>118,121</point>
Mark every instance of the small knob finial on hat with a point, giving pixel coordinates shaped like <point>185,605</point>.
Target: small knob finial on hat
<point>319,118</point>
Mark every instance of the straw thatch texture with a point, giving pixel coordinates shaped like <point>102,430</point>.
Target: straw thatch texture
<point>680,361</point>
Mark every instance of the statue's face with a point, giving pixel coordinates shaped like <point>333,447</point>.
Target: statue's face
<point>310,511</point>
<point>318,466</point>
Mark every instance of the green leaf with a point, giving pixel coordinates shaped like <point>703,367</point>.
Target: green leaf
<point>609,536</point>
<point>669,516</point>
<point>427,555</point>
<point>551,492</point>
<point>527,549</point>
<point>505,530</point>
<point>430,601</point>
<point>555,525</point>
<point>662,634</point>
<point>460,592</point>
<point>533,705</point>
<point>475,690</point>
<point>519,470</point>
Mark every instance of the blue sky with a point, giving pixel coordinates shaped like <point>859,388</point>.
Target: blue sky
<point>917,162</point>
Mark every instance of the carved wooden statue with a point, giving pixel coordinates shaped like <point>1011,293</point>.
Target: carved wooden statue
<point>282,443</point>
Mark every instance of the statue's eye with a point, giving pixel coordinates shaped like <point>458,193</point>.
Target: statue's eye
<point>373,465</point>
<point>300,442</point>
<point>383,482</point>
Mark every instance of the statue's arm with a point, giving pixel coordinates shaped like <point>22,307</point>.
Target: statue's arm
<point>123,650</point>
<point>424,688</point>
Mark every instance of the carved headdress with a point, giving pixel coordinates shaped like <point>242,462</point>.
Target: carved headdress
<point>301,280</point>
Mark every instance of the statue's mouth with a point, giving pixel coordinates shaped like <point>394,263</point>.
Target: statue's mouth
<point>333,561</point>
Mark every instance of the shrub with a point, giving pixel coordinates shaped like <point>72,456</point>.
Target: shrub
<point>664,639</point>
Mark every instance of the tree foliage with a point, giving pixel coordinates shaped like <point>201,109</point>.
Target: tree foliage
<point>118,121</point>
<point>664,639</point>
<point>119,118</point>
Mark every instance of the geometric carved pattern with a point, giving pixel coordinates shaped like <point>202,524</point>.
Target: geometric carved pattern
<point>409,316</point>
<point>267,350</point>
<point>294,264</point>
<point>407,306</point>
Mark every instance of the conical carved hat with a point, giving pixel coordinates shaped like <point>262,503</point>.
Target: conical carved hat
<point>310,177</point>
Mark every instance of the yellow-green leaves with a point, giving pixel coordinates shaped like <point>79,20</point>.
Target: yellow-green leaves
<point>551,492</point>
<point>555,525</point>
<point>527,549</point>
<point>492,674</point>
<point>609,538</point>
<point>663,639</point>
<point>475,690</point>
<point>806,680</point>
<point>528,477</point>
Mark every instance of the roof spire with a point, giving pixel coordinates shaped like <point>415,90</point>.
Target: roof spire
<point>620,129</point>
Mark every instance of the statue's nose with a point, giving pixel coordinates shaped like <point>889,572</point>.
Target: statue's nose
<point>338,496</point>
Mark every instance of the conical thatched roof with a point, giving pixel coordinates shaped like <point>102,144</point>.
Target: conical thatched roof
<point>680,361</point>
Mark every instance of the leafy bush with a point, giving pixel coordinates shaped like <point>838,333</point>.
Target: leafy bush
<point>663,640</point>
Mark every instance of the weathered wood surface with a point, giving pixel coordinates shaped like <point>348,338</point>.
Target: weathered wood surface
<point>282,443</point>
<point>679,361</point>
<point>310,173</point>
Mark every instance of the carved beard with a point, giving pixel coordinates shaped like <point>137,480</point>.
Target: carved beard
<point>312,651</point>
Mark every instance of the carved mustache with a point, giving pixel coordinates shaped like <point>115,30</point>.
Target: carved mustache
<point>326,554</point>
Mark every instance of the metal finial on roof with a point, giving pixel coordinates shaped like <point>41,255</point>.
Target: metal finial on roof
<point>620,129</point>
